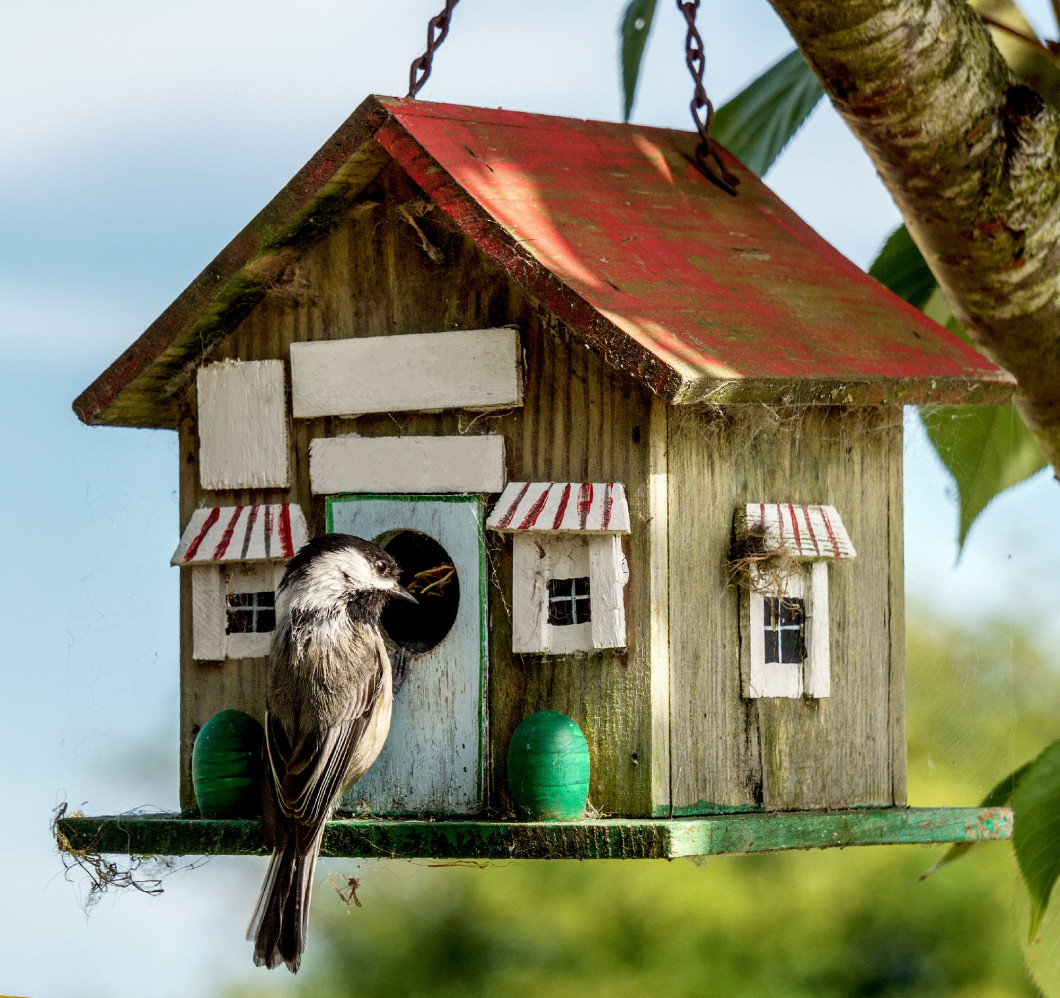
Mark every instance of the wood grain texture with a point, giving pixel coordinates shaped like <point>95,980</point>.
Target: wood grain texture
<point>656,589</point>
<point>561,227</point>
<point>782,753</point>
<point>407,464</point>
<point>477,369</point>
<point>432,760</point>
<point>172,835</point>
<point>583,422</point>
<point>371,276</point>
<point>608,574</point>
<point>896,617</point>
<point>242,425</point>
<point>817,671</point>
<point>208,618</point>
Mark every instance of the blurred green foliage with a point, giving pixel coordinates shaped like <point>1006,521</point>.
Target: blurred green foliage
<point>854,922</point>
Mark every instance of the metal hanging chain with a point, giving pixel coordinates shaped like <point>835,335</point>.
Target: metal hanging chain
<point>707,151</point>
<point>437,29</point>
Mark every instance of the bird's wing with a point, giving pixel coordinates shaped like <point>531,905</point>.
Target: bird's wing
<point>308,770</point>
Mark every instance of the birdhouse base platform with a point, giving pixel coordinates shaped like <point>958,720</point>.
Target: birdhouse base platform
<point>610,838</point>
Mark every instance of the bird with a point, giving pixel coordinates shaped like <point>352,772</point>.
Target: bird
<point>327,716</point>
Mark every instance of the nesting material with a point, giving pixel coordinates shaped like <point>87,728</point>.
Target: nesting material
<point>771,540</point>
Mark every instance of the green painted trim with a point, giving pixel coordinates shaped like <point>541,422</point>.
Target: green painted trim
<point>329,517</point>
<point>704,807</point>
<point>616,838</point>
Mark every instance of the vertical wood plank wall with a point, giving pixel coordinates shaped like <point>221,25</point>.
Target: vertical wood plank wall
<point>665,721</point>
<point>371,276</point>
<point>843,750</point>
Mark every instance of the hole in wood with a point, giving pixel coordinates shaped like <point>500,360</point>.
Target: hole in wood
<point>428,573</point>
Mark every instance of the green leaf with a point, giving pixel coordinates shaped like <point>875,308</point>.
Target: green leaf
<point>901,267</point>
<point>633,32</point>
<point>760,120</point>
<point>998,797</point>
<point>1036,832</point>
<point>987,449</point>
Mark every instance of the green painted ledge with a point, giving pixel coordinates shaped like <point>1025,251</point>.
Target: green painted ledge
<point>615,838</point>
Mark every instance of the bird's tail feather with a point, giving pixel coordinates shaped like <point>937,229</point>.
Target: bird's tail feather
<point>278,925</point>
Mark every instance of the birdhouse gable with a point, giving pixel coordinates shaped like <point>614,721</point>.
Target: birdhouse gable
<point>568,569</point>
<point>697,295</point>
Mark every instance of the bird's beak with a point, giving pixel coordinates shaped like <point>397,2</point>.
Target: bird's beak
<point>402,593</point>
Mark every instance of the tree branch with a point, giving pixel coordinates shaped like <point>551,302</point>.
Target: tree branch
<point>970,156</point>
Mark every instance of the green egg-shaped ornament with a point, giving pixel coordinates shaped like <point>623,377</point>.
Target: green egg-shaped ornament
<point>226,766</point>
<point>548,768</point>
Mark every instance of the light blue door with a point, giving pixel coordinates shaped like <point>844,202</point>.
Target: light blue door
<point>432,761</point>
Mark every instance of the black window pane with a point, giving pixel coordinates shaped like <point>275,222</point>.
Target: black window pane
<point>792,611</point>
<point>568,601</point>
<point>772,649</point>
<point>239,621</point>
<point>784,630</point>
<point>791,645</point>
<point>560,612</point>
<point>250,613</point>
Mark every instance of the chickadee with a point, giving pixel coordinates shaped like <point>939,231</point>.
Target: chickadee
<point>327,715</point>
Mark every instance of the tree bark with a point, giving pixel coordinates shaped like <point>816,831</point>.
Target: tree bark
<point>970,156</point>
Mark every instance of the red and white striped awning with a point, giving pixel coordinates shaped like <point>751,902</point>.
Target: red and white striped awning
<point>592,507</point>
<point>271,532</point>
<point>807,531</point>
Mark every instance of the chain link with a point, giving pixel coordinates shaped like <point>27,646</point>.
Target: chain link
<point>708,157</point>
<point>707,152</point>
<point>437,29</point>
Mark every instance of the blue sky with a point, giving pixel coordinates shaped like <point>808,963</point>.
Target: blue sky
<point>138,139</point>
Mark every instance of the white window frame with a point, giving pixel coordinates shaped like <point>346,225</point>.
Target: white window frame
<point>211,584</point>
<point>541,556</point>
<point>811,677</point>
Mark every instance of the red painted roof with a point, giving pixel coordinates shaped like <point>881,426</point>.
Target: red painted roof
<point>703,296</point>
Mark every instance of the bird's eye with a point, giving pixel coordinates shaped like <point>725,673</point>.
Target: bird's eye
<point>381,566</point>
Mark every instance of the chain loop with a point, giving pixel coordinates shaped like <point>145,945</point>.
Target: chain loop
<point>421,67</point>
<point>707,152</point>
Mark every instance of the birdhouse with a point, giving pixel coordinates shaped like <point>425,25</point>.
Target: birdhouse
<point>635,443</point>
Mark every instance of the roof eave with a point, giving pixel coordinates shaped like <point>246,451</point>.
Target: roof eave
<point>977,390</point>
<point>141,386</point>
<point>138,389</point>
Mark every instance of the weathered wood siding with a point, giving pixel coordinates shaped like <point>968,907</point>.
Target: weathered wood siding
<point>379,275</point>
<point>847,749</point>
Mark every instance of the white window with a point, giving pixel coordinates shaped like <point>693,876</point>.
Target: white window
<point>789,637</point>
<point>236,556</point>
<point>233,610</point>
<point>568,570</point>
<point>782,555</point>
